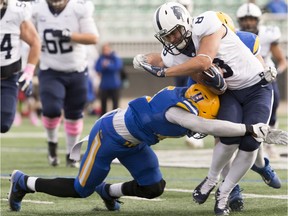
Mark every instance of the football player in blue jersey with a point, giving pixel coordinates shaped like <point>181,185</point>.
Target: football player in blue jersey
<point>127,134</point>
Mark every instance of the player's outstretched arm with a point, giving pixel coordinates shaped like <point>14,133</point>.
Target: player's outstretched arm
<point>261,132</point>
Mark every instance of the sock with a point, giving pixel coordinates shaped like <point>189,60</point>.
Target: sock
<point>260,162</point>
<point>73,129</point>
<point>115,190</point>
<point>31,183</point>
<point>241,164</point>
<point>221,156</point>
<point>227,167</point>
<point>60,187</point>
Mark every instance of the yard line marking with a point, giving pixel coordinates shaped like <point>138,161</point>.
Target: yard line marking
<point>140,198</point>
<point>244,194</point>
<point>14,135</point>
<point>33,201</point>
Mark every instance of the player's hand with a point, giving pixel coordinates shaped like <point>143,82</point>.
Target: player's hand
<point>213,78</point>
<point>138,60</point>
<point>25,80</point>
<point>276,136</point>
<point>270,74</point>
<point>154,70</point>
<point>260,131</point>
<point>64,34</point>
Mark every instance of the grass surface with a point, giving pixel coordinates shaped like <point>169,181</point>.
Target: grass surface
<point>27,153</point>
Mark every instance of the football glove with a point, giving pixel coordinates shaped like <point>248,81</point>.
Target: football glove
<point>270,74</point>
<point>64,34</point>
<point>25,80</point>
<point>138,60</point>
<point>154,70</point>
<point>213,78</point>
<point>276,136</point>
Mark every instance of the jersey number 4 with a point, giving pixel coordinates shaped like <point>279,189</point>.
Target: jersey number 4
<point>6,45</point>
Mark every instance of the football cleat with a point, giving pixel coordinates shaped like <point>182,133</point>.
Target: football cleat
<point>71,163</point>
<point>200,197</point>
<point>221,205</point>
<point>235,200</point>
<point>268,175</point>
<point>18,190</point>
<point>111,203</point>
<point>53,159</point>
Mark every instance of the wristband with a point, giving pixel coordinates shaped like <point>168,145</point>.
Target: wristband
<point>249,130</point>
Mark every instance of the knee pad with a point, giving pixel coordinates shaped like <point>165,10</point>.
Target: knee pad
<point>249,144</point>
<point>149,192</point>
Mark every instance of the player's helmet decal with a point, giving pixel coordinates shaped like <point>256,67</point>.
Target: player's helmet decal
<point>178,11</point>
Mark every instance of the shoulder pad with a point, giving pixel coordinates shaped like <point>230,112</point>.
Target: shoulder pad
<point>205,24</point>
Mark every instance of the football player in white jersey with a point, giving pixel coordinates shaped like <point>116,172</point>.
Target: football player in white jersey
<point>65,27</point>
<point>197,45</point>
<point>249,16</point>
<point>15,26</point>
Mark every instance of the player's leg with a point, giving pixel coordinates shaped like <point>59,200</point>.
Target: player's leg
<point>143,165</point>
<point>223,150</point>
<point>74,104</point>
<point>148,182</point>
<point>256,108</point>
<point>52,93</point>
<point>9,92</point>
<point>273,123</point>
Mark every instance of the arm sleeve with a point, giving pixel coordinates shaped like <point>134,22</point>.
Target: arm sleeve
<point>198,124</point>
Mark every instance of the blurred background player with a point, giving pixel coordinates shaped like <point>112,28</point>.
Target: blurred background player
<point>64,28</point>
<point>249,16</point>
<point>16,26</point>
<point>28,106</point>
<point>108,66</point>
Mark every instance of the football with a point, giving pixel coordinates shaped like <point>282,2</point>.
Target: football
<point>201,77</point>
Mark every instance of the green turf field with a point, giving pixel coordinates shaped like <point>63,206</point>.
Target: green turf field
<point>24,148</point>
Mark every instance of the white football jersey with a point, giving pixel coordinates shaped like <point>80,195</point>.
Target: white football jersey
<point>16,13</point>
<point>65,56</point>
<point>267,36</point>
<point>242,68</point>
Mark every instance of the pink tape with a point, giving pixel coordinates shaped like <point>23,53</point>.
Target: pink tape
<point>74,127</point>
<point>51,123</point>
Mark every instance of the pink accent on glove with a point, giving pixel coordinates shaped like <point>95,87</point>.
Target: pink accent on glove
<point>27,75</point>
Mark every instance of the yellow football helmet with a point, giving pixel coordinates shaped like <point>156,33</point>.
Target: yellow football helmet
<point>204,100</point>
<point>226,19</point>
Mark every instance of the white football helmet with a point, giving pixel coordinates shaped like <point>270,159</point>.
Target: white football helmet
<point>248,16</point>
<point>171,17</point>
<point>248,9</point>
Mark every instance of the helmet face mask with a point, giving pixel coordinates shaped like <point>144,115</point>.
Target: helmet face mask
<point>206,102</point>
<point>249,24</point>
<point>172,24</point>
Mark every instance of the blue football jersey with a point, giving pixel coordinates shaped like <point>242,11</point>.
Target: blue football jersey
<point>145,117</point>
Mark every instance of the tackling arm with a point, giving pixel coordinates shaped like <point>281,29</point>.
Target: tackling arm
<point>261,132</point>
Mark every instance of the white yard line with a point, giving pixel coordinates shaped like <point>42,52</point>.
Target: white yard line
<point>244,194</point>
<point>34,201</point>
